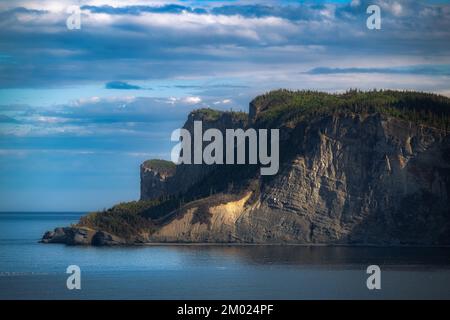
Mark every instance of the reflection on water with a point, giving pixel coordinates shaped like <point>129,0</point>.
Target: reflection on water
<point>36,271</point>
<point>328,256</point>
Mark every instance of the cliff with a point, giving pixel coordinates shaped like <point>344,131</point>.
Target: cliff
<point>355,168</point>
<point>183,177</point>
<point>154,176</point>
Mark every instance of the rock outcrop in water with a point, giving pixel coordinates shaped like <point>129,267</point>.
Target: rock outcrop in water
<point>81,236</point>
<point>357,168</point>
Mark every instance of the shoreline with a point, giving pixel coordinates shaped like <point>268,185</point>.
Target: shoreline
<point>155,244</point>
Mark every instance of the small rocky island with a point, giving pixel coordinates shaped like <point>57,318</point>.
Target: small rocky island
<point>362,168</point>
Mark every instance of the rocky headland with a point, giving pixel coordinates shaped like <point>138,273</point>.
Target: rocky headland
<point>359,168</point>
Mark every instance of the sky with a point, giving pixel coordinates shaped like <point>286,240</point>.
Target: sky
<point>80,109</point>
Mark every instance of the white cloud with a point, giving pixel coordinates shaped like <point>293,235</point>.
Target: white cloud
<point>192,100</point>
<point>83,101</point>
<point>61,5</point>
<point>50,120</point>
<point>224,101</point>
<point>186,100</point>
<point>397,9</point>
<point>122,100</point>
<point>189,45</point>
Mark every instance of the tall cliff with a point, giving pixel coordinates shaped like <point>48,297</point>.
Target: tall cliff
<point>356,168</point>
<point>185,176</point>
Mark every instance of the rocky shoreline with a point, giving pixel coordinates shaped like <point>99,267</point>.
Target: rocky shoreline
<point>79,236</point>
<point>82,236</point>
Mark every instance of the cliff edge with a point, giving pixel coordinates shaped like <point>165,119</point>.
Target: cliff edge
<point>355,168</point>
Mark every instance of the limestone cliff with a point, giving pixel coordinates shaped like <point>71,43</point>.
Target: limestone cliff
<point>352,171</point>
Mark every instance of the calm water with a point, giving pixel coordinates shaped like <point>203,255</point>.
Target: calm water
<point>30,270</point>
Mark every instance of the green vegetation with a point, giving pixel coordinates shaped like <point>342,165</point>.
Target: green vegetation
<point>123,219</point>
<point>128,219</point>
<point>160,165</point>
<point>131,218</point>
<point>284,106</point>
<point>157,163</point>
<point>238,115</point>
<point>276,108</point>
<point>208,114</point>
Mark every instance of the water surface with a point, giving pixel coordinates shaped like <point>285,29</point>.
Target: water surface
<point>30,270</point>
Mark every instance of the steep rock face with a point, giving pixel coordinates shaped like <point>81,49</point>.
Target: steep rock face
<point>154,184</point>
<point>354,179</point>
<point>345,179</point>
<point>154,179</point>
<point>357,168</point>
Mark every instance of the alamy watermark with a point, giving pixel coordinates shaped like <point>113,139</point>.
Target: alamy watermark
<point>374,20</point>
<point>74,280</point>
<point>73,21</point>
<point>374,280</point>
<point>258,151</point>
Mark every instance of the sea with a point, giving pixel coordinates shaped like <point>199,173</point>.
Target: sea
<point>32,270</point>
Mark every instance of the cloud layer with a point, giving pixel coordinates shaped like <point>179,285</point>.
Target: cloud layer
<point>80,109</point>
<point>155,41</point>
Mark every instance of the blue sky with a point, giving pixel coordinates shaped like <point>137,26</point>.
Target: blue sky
<point>81,109</point>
